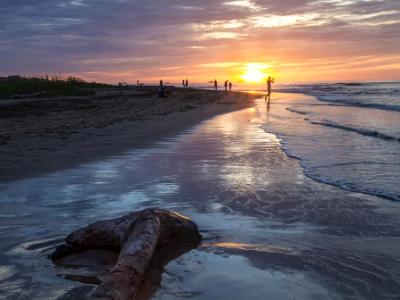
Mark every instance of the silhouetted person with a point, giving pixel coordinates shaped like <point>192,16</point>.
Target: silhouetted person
<point>161,90</point>
<point>183,82</point>
<point>215,84</point>
<point>230,86</point>
<point>138,83</point>
<point>270,81</point>
<point>187,83</point>
<point>226,85</point>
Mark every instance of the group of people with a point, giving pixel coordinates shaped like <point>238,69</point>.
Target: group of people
<point>227,85</point>
<point>185,83</point>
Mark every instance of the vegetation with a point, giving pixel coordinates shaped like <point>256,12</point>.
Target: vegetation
<point>14,86</point>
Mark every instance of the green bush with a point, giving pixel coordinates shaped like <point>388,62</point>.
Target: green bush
<point>46,86</point>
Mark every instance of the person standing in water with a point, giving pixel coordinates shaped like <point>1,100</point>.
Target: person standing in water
<point>186,83</point>
<point>230,86</point>
<point>270,81</point>
<point>226,85</point>
<point>215,84</point>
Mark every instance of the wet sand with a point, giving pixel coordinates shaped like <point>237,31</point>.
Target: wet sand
<point>38,136</point>
<point>270,231</point>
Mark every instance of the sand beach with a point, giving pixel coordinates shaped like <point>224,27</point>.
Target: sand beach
<point>270,230</point>
<point>39,135</point>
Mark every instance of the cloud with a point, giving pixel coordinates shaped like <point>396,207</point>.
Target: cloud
<point>243,3</point>
<point>270,21</point>
<point>155,37</point>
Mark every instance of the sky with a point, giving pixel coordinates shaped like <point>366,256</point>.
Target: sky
<point>129,40</point>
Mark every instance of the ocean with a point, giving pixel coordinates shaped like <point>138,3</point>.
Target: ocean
<point>347,134</point>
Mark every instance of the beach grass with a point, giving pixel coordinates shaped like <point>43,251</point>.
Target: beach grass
<point>15,86</point>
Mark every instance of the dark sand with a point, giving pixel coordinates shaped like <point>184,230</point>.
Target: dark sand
<point>38,136</point>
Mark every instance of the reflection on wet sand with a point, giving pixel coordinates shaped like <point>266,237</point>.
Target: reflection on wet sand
<point>251,247</point>
<point>269,230</point>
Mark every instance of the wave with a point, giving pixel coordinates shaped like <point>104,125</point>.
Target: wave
<point>291,109</point>
<point>349,83</point>
<point>350,187</point>
<point>384,96</point>
<point>356,103</point>
<point>348,101</point>
<point>309,171</point>
<point>363,131</point>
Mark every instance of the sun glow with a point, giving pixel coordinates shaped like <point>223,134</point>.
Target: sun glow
<point>254,73</point>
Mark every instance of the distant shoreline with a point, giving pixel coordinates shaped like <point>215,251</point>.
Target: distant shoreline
<point>43,135</point>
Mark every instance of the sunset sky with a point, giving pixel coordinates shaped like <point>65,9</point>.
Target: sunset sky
<point>126,40</point>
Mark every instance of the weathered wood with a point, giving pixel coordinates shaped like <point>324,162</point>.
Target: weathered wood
<point>138,235</point>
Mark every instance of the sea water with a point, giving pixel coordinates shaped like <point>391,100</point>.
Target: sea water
<point>347,135</point>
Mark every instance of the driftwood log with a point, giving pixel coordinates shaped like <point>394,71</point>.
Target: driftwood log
<point>138,236</point>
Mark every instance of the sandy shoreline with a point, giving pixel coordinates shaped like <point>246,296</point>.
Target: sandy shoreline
<point>38,136</point>
<point>269,230</point>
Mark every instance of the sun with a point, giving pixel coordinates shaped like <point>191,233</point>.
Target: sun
<point>254,73</point>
